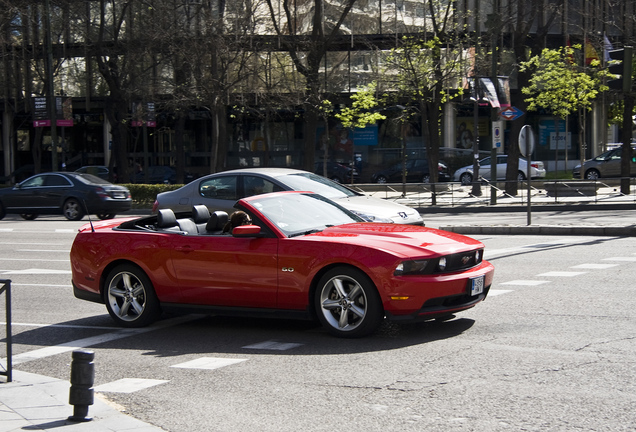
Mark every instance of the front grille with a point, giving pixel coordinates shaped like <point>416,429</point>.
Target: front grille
<point>462,261</point>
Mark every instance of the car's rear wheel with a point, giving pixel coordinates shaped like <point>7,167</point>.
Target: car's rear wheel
<point>381,179</point>
<point>2,212</point>
<point>521,176</point>
<point>104,216</point>
<point>426,178</point>
<point>466,178</point>
<point>72,209</point>
<point>130,297</point>
<point>347,303</point>
<point>28,216</point>
<point>592,174</point>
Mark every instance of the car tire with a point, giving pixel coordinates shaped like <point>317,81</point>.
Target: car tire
<point>426,178</point>
<point>521,176</point>
<point>592,174</point>
<point>72,209</point>
<point>2,212</point>
<point>466,179</point>
<point>347,303</point>
<point>381,179</point>
<point>130,297</point>
<point>104,216</point>
<point>29,216</point>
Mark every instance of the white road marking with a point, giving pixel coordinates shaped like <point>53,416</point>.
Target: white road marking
<point>273,345</point>
<point>525,282</point>
<point>36,260</point>
<point>40,285</point>
<point>208,363</point>
<point>129,385</point>
<point>34,271</point>
<point>95,340</point>
<point>65,230</point>
<point>629,259</point>
<point>44,250</point>
<point>594,266</point>
<point>561,274</point>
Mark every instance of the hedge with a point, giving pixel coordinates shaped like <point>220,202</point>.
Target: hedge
<point>143,195</point>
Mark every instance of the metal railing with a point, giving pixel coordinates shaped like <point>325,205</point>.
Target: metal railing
<point>5,288</point>
<point>542,192</point>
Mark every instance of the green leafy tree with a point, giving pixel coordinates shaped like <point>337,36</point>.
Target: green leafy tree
<point>363,110</point>
<point>559,85</point>
<point>425,73</point>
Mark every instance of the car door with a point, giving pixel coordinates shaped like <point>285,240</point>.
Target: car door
<point>55,188</point>
<point>502,165</point>
<point>484,168</point>
<point>24,195</point>
<point>222,270</point>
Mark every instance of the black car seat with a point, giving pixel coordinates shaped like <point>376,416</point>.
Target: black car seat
<point>200,216</point>
<point>217,221</point>
<point>166,220</point>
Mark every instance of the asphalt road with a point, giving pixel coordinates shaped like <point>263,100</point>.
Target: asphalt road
<point>551,349</point>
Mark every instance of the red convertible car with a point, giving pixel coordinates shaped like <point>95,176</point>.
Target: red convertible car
<point>300,256</point>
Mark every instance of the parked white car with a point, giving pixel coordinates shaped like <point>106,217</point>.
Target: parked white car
<point>465,174</point>
<point>221,190</point>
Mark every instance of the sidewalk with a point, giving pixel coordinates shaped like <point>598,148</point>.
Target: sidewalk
<point>37,402</point>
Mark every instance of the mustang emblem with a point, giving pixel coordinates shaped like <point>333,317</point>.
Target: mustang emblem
<point>466,259</point>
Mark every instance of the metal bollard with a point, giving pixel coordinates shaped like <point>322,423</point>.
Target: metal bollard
<point>82,379</point>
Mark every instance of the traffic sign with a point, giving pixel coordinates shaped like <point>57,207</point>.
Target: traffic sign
<point>510,113</point>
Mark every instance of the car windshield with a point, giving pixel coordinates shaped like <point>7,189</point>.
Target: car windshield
<point>318,184</point>
<point>299,214</point>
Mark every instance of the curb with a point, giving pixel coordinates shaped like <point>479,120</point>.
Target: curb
<point>607,231</point>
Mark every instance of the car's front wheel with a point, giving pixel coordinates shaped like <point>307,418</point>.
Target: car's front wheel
<point>347,303</point>
<point>130,297</point>
<point>28,216</point>
<point>426,178</point>
<point>381,179</point>
<point>592,174</point>
<point>72,210</point>
<point>521,176</point>
<point>466,178</point>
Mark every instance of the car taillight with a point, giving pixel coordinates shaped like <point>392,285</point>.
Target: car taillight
<point>534,165</point>
<point>101,192</point>
<point>155,206</point>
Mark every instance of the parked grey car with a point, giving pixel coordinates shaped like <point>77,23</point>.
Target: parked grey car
<point>465,174</point>
<point>221,190</point>
<point>607,164</point>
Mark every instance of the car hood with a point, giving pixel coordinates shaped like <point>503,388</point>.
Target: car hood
<point>400,240</point>
<point>383,210</point>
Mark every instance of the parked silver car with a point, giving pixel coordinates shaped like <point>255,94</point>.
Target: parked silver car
<point>221,190</point>
<point>465,174</point>
<point>607,164</point>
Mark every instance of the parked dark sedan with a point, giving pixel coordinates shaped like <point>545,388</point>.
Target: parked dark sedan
<point>416,172</point>
<point>337,172</point>
<point>68,193</point>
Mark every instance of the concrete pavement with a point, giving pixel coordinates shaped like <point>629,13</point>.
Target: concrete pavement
<point>37,402</point>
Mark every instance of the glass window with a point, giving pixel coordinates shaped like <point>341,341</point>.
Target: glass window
<point>253,185</point>
<point>219,188</point>
<point>56,180</point>
<point>36,181</point>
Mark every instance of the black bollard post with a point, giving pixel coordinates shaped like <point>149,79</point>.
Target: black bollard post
<point>82,379</point>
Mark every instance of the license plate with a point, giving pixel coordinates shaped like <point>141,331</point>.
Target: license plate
<point>118,195</point>
<point>477,285</point>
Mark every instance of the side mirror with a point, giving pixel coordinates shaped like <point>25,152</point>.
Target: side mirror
<point>247,231</point>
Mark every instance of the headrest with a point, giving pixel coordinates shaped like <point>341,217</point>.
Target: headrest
<point>200,214</point>
<point>166,218</point>
<point>217,221</point>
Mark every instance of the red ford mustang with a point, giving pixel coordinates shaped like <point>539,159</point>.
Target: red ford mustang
<point>301,256</point>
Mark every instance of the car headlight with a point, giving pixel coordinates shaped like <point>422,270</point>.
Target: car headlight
<point>371,218</point>
<point>411,267</point>
<point>441,264</point>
